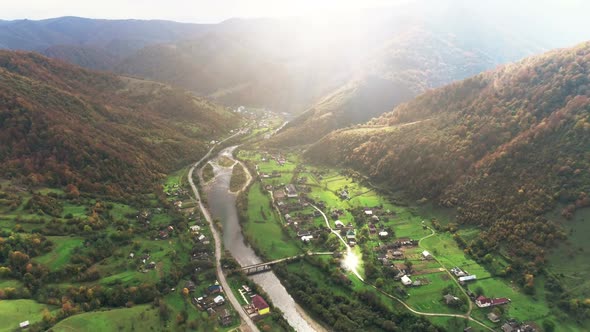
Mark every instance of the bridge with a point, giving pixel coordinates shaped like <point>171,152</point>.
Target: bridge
<point>266,266</point>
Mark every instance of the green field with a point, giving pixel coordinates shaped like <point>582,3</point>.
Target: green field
<point>61,253</point>
<point>12,312</point>
<point>568,261</point>
<point>138,318</point>
<point>264,229</point>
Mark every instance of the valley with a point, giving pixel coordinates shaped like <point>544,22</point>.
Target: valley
<point>279,166</point>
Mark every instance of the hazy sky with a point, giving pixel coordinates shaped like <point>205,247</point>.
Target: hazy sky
<point>199,11</point>
<point>209,11</point>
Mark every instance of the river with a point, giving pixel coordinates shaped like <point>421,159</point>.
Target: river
<point>222,205</point>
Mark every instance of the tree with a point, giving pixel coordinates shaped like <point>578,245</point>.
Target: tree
<point>548,326</point>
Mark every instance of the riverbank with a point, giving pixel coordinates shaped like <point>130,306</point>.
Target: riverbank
<point>222,205</point>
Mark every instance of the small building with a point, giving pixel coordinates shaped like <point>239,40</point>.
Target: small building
<point>306,238</point>
<point>369,212</point>
<point>398,254</point>
<point>291,191</point>
<point>225,318</point>
<point>468,278</point>
<point>260,304</point>
<point>219,300</point>
<point>351,235</point>
<point>426,255</point>
<point>383,234</point>
<point>338,224</point>
<point>484,302</point>
<point>493,317</point>
<point>214,289</point>
<point>24,325</point>
<point>195,228</point>
<point>449,299</point>
<point>406,281</point>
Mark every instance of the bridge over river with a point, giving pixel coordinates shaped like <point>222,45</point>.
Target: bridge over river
<point>266,266</point>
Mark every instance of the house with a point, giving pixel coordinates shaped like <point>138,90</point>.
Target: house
<point>493,317</point>
<point>306,238</point>
<point>426,255</point>
<point>195,228</point>
<point>214,289</point>
<point>369,212</point>
<point>219,300</point>
<point>406,281</point>
<point>398,254</point>
<point>131,255</point>
<point>338,224</point>
<point>260,305</point>
<point>288,217</point>
<point>351,235</point>
<point>458,272</point>
<point>374,219</point>
<point>291,191</point>
<point>450,299</point>
<point>225,318</point>
<point>467,278</point>
<point>484,302</point>
<point>151,265</point>
<point>24,325</point>
<point>507,327</point>
<point>383,234</point>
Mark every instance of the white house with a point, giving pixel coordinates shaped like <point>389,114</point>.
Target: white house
<point>406,280</point>
<point>24,324</point>
<point>383,233</point>
<point>426,255</point>
<point>338,224</point>
<point>306,238</point>
<point>219,299</point>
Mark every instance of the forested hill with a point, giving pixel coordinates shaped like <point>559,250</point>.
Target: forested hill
<point>420,57</point>
<point>503,148</point>
<point>62,125</point>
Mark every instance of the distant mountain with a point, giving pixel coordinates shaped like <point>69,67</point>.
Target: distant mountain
<point>503,148</point>
<point>62,125</point>
<point>92,43</point>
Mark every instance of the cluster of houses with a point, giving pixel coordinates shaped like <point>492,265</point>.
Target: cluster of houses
<point>212,301</point>
<point>144,260</point>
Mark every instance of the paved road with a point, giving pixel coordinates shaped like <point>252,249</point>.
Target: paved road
<point>250,326</point>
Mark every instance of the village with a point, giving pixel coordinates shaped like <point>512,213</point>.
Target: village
<point>378,231</point>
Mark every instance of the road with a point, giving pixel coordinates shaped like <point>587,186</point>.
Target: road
<point>220,276</point>
<point>402,302</point>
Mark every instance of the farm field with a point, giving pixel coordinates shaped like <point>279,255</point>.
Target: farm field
<point>13,312</point>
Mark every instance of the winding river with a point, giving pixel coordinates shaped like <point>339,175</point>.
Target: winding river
<point>222,205</point>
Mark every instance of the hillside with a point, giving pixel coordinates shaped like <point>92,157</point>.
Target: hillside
<point>419,58</point>
<point>503,148</point>
<point>62,125</point>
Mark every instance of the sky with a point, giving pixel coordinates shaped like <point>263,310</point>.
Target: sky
<point>197,11</point>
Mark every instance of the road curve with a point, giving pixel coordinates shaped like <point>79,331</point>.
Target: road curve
<point>402,302</point>
<point>220,276</point>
